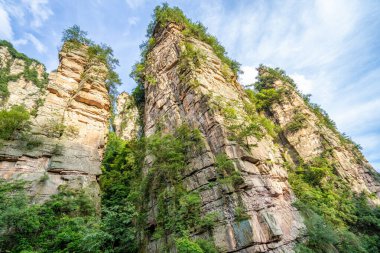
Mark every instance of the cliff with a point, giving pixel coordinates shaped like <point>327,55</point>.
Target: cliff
<point>261,151</point>
<point>191,161</point>
<point>199,97</point>
<point>309,133</point>
<point>68,124</point>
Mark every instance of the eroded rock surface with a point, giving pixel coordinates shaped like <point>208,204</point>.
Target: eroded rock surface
<point>72,125</point>
<point>314,139</point>
<point>126,120</point>
<point>196,97</point>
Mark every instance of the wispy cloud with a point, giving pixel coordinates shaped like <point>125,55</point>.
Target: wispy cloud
<point>327,47</point>
<point>134,3</point>
<point>6,31</point>
<point>36,42</point>
<point>330,48</point>
<point>30,14</point>
<point>40,11</point>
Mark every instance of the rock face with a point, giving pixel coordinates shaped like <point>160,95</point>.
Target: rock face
<point>314,139</point>
<point>197,96</point>
<point>126,119</point>
<point>20,88</point>
<point>72,125</point>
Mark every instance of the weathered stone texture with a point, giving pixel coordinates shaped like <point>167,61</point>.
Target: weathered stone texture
<point>21,91</point>
<point>126,120</point>
<point>265,194</point>
<point>72,124</point>
<point>315,139</point>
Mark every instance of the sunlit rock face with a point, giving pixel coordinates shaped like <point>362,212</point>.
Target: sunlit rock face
<point>315,139</point>
<point>70,121</point>
<point>196,96</point>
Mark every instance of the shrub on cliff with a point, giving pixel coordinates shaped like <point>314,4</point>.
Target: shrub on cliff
<point>13,120</point>
<point>75,37</point>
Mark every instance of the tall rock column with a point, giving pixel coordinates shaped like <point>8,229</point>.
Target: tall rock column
<point>310,134</point>
<point>72,125</point>
<point>204,97</point>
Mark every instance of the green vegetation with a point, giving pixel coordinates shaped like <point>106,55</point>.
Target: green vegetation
<point>178,211</point>
<point>30,73</point>
<point>186,245</point>
<point>241,214</point>
<point>13,121</point>
<point>227,174</point>
<point>252,124</point>
<point>297,123</point>
<point>337,220</point>
<point>263,99</point>
<point>15,125</point>
<point>97,53</point>
<point>163,15</point>
<point>266,94</point>
<point>65,223</point>
<point>190,57</point>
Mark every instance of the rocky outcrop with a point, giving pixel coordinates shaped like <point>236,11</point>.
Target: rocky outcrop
<point>198,96</point>
<point>24,79</point>
<point>126,122</point>
<point>314,138</point>
<point>72,125</point>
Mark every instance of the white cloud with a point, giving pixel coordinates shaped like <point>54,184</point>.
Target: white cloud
<point>39,10</point>
<point>6,31</point>
<point>36,42</point>
<point>19,42</point>
<point>249,75</point>
<point>327,47</point>
<point>305,85</point>
<point>132,20</point>
<point>133,4</point>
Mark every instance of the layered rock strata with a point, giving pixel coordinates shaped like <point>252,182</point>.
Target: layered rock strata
<point>196,96</point>
<point>72,125</point>
<point>314,139</point>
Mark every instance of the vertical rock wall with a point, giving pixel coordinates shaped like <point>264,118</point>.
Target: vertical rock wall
<point>314,139</point>
<point>126,122</point>
<point>196,97</point>
<point>72,125</point>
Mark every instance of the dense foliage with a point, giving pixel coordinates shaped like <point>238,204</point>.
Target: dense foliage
<point>337,220</point>
<point>178,212</point>
<point>65,223</point>
<point>15,126</point>
<point>12,120</point>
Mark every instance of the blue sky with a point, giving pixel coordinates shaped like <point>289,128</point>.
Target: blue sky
<point>331,48</point>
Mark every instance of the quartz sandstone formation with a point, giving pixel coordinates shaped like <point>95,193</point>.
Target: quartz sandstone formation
<point>21,89</point>
<point>315,139</point>
<point>198,96</point>
<point>72,124</point>
<point>195,97</point>
<point>126,119</point>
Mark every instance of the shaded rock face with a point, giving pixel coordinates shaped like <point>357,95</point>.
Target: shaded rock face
<point>315,138</point>
<point>72,125</point>
<point>273,224</point>
<point>126,120</point>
